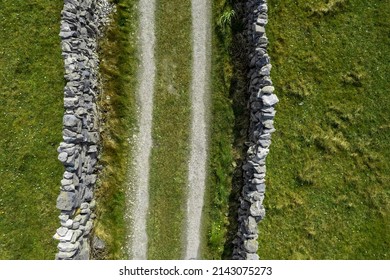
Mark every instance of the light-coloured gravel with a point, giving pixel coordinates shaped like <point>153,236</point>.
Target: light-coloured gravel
<point>139,184</point>
<point>199,101</point>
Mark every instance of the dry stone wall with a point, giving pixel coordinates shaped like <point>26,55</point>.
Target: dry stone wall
<point>81,23</point>
<point>262,112</point>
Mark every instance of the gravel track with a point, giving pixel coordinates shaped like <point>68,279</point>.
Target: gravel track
<point>199,101</point>
<point>138,241</point>
<point>139,238</point>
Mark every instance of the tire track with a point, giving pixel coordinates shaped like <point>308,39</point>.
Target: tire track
<point>139,239</point>
<point>198,157</point>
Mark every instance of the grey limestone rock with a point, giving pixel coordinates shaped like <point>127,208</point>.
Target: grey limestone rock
<point>266,70</point>
<point>264,143</point>
<point>252,257</point>
<point>63,157</point>
<point>66,182</point>
<point>267,90</point>
<point>83,219</point>
<point>85,211</point>
<point>257,209</point>
<point>66,237</point>
<point>75,225</point>
<point>68,175</point>
<point>251,225</point>
<point>262,21</point>
<point>67,34</point>
<point>88,228</point>
<point>68,188</point>
<point>270,100</point>
<point>68,247</point>
<point>263,8</point>
<point>92,205</point>
<point>269,124</point>
<point>256,181</point>
<point>75,236</point>
<point>257,196</point>
<point>98,244</point>
<point>93,149</point>
<point>93,137</point>
<point>70,102</point>
<point>63,217</point>
<point>251,245</point>
<point>263,41</point>
<point>269,115</point>
<point>62,231</point>
<point>81,112</point>
<point>71,120</point>
<point>84,253</point>
<point>84,205</point>
<point>90,179</point>
<point>260,188</point>
<point>88,194</point>
<point>265,81</point>
<point>262,152</point>
<point>67,223</point>
<point>77,218</point>
<point>73,2</point>
<point>259,29</point>
<point>66,200</point>
<point>65,255</point>
<point>261,168</point>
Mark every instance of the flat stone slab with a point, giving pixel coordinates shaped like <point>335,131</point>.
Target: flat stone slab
<point>66,201</point>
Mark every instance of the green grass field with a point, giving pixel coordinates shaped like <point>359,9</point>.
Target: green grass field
<point>328,191</point>
<point>31,106</point>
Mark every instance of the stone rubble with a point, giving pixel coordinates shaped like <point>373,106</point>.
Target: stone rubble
<point>261,103</point>
<point>81,27</point>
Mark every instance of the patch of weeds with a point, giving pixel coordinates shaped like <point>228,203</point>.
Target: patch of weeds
<point>330,7</point>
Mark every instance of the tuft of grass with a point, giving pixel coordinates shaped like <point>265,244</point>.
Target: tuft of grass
<point>31,106</point>
<point>117,104</point>
<point>226,18</point>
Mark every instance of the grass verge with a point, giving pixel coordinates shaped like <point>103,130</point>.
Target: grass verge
<point>229,120</point>
<point>171,128</point>
<point>118,70</point>
<point>31,106</point>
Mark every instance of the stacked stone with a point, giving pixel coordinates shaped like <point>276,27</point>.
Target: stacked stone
<point>80,23</point>
<point>261,103</point>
